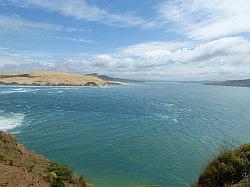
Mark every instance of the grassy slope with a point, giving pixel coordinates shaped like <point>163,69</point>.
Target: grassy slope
<point>19,166</point>
<point>230,167</point>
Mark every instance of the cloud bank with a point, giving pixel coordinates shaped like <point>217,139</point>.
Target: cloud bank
<point>228,57</point>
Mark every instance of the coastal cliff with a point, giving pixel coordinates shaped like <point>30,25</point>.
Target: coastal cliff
<point>21,167</point>
<point>45,78</point>
<point>24,168</point>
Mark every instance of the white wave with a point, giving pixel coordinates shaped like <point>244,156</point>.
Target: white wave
<point>9,121</point>
<point>175,120</point>
<point>15,91</point>
<point>11,90</point>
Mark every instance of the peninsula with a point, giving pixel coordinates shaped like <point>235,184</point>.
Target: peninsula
<point>47,78</point>
<point>53,78</point>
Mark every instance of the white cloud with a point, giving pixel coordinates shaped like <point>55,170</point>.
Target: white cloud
<point>151,49</point>
<point>17,24</point>
<point>197,19</point>
<point>75,39</point>
<point>207,19</point>
<point>81,10</point>
<point>224,58</point>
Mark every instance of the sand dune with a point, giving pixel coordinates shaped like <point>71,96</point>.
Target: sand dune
<point>46,78</point>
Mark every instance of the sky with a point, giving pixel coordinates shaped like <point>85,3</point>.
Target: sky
<point>142,39</point>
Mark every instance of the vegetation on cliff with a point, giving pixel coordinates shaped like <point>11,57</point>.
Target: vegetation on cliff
<point>229,168</point>
<point>19,166</point>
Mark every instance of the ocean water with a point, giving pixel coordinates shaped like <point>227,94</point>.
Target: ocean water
<point>124,136</point>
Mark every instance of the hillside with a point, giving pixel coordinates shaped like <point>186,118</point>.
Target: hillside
<point>113,79</point>
<point>21,167</point>
<point>240,83</point>
<point>230,168</point>
<point>44,78</point>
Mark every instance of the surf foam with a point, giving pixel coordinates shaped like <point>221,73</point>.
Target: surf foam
<point>9,121</point>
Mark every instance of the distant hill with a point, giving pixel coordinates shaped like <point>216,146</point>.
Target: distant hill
<point>113,79</point>
<point>240,83</point>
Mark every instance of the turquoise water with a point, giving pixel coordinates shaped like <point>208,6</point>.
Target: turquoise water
<point>154,133</point>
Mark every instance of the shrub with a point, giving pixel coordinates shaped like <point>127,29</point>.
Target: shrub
<point>30,168</point>
<point>230,167</point>
<point>63,173</point>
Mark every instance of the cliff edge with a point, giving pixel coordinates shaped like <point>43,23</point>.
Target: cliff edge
<point>24,168</point>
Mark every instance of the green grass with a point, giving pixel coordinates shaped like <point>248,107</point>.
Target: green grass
<point>230,167</point>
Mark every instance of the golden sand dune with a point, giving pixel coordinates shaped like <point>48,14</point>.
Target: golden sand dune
<point>46,78</point>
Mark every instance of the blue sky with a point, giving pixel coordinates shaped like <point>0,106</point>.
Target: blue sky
<point>145,39</point>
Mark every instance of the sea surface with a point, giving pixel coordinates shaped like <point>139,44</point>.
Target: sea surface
<point>125,136</point>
